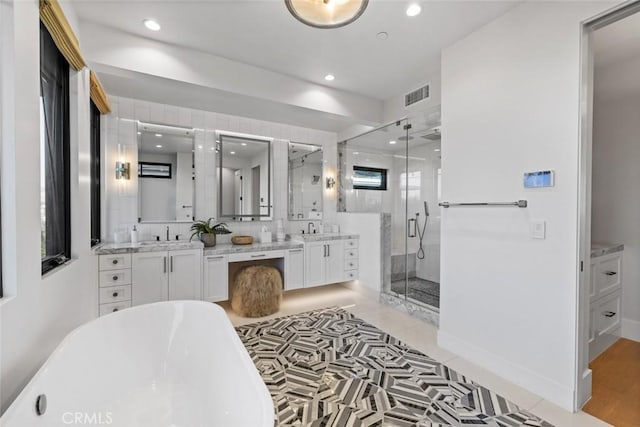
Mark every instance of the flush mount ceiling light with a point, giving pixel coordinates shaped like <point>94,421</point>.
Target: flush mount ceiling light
<point>158,146</point>
<point>326,13</point>
<point>232,152</point>
<point>159,135</point>
<point>414,9</point>
<point>329,77</point>
<point>151,25</point>
<point>392,142</point>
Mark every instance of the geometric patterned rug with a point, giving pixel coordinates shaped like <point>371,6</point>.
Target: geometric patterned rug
<point>329,368</point>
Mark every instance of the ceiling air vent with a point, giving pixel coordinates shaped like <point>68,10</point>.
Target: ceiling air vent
<point>416,96</point>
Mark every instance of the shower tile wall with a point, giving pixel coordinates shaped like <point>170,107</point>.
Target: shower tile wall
<point>120,196</point>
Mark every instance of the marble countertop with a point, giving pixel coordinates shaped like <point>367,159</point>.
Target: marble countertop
<point>325,236</point>
<point>229,248</point>
<point>602,249</point>
<point>152,246</point>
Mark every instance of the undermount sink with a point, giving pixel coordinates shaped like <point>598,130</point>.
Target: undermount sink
<point>312,236</point>
<point>163,242</point>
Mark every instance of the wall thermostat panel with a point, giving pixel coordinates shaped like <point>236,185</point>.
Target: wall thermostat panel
<point>539,179</point>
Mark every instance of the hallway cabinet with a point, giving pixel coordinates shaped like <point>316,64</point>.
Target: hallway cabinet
<point>605,293</point>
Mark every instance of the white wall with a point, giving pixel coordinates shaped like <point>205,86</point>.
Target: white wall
<point>510,104</point>
<point>121,197</point>
<point>37,311</point>
<point>616,179</point>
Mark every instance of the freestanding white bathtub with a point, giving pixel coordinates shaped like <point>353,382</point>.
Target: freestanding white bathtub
<point>176,363</point>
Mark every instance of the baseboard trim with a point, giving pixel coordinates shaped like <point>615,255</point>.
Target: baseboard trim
<point>631,329</point>
<point>535,383</point>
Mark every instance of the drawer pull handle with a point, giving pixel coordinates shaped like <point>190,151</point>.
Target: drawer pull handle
<point>610,273</point>
<point>115,278</point>
<point>114,310</point>
<point>115,294</point>
<point>114,262</point>
<point>609,313</point>
<point>258,256</point>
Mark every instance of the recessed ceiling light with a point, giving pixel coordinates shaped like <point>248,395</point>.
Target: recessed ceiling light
<point>159,135</point>
<point>200,147</point>
<point>232,152</point>
<point>244,144</point>
<point>436,150</point>
<point>414,9</point>
<point>329,77</point>
<point>392,142</point>
<point>382,35</point>
<point>356,153</point>
<point>151,24</point>
<point>139,133</point>
<point>158,146</point>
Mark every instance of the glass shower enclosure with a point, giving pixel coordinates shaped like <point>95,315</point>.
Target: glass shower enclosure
<point>396,169</point>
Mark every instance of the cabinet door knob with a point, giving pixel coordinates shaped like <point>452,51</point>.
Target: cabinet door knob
<point>610,273</point>
<point>609,313</point>
<point>115,261</point>
<point>115,278</point>
<point>115,294</point>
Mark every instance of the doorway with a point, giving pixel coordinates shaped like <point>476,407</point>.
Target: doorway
<point>608,359</point>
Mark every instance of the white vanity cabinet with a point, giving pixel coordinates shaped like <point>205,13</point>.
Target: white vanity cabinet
<point>216,278</point>
<point>606,302</point>
<point>114,283</point>
<point>294,262</point>
<point>162,276</point>
<point>330,261</point>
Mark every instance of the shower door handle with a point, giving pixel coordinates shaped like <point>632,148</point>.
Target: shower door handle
<point>411,223</point>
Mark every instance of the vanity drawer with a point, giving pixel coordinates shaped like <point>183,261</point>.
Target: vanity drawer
<point>608,314</point>
<point>115,278</point>
<point>350,253</point>
<point>255,256</point>
<point>608,275</point>
<point>351,275</point>
<point>113,307</point>
<point>115,262</point>
<point>351,244</point>
<point>115,294</point>
<point>350,264</point>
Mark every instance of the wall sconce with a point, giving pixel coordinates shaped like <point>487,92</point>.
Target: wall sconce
<point>122,170</point>
<point>330,183</point>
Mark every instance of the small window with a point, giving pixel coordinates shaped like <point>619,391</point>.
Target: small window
<point>95,174</point>
<point>55,206</point>
<point>369,178</point>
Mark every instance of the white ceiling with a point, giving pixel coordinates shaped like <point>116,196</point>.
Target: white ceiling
<point>263,33</point>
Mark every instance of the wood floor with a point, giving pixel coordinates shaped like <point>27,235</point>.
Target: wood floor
<point>616,385</point>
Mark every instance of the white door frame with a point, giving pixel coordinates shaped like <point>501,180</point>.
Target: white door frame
<point>583,374</point>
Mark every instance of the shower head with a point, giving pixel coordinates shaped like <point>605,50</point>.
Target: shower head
<point>434,135</point>
<point>426,208</point>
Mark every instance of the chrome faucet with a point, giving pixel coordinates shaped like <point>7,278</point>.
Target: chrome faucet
<point>167,233</point>
<point>311,226</point>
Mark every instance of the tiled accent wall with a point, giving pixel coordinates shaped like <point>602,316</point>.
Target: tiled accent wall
<point>120,197</point>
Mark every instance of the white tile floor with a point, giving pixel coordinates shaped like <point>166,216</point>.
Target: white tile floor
<point>423,337</point>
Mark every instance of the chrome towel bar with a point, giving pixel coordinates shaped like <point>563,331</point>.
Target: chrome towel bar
<point>519,204</point>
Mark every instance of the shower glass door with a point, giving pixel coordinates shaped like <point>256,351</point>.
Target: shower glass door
<point>395,169</point>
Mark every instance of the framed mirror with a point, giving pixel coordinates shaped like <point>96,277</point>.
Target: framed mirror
<point>305,181</point>
<point>244,177</point>
<point>166,173</point>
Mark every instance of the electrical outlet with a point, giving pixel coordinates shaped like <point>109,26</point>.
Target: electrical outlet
<point>538,230</point>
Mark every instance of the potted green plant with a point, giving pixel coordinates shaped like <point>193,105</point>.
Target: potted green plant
<point>206,231</point>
